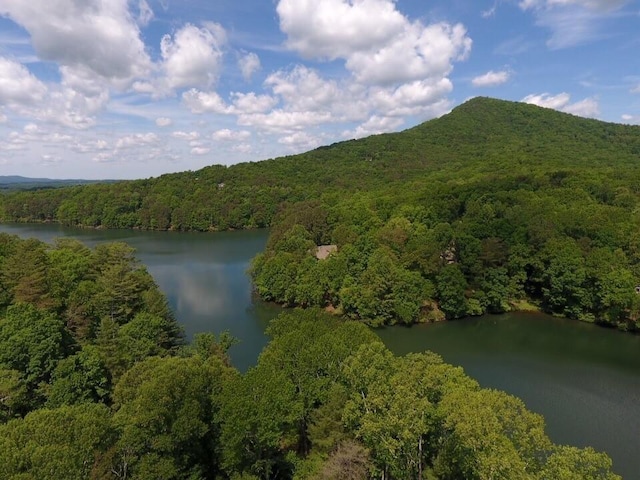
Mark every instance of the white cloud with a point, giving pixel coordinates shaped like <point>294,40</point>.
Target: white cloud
<point>279,120</point>
<point>636,89</point>
<point>242,148</point>
<point>192,58</point>
<point>73,103</point>
<point>226,135</point>
<point>303,89</point>
<point>548,101</point>
<point>145,14</point>
<point>585,108</point>
<point>375,125</point>
<point>380,46</point>
<point>99,36</point>
<point>90,146</point>
<point>242,103</point>
<point>491,79</point>
<point>204,102</point>
<point>251,103</point>
<point>299,140</point>
<point>630,119</point>
<point>3,118</point>
<point>249,64</point>
<point>18,85</point>
<point>337,28</point>
<point>200,150</point>
<point>411,98</point>
<point>136,140</point>
<point>421,52</point>
<point>187,136</point>
<point>163,122</point>
<point>572,22</point>
<point>598,5</point>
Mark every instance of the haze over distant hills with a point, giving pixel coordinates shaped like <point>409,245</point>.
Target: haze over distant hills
<point>18,182</point>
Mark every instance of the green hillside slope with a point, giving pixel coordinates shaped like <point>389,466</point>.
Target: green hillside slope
<point>482,136</point>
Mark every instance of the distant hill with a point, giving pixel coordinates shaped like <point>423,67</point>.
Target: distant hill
<point>17,182</point>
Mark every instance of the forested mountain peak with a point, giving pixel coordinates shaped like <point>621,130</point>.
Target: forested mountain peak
<point>482,136</point>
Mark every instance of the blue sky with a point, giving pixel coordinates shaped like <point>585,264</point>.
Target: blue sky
<point>138,88</point>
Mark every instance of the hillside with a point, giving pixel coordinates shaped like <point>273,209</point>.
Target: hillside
<point>482,136</point>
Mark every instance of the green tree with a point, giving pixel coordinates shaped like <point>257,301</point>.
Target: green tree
<point>52,444</point>
<point>165,409</point>
<point>80,378</point>
<point>451,286</point>
<point>32,342</point>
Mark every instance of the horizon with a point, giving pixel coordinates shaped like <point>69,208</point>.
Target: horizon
<point>137,89</point>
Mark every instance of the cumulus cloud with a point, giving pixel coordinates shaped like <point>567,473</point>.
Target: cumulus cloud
<point>249,64</point>
<point>420,52</point>
<point>584,108</point>
<point>163,122</point>
<point>136,140</point>
<point>226,135</point>
<point>73,103</point>
<point>491,79</point>
<point>200,150</point>
<point>336,28</point>
<point>192,57</point>
<point>241,103</point>
<point>251,103</point>
<point>379,45</point>
<point>304,89</point>
<point>204,102</point>
<point>375,125</point>
<point>100,36</point>
<point>187,136</point>
<point>278,121</point>
<point>18,85</point>
<point>242,148</point>
<point>299,141</point>
<point>411,98</point>
<point>630,119</point>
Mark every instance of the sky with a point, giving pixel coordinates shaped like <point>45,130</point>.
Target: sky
<point>116,89</point>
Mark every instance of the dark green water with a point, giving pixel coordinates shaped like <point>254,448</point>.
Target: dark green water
<point>585,380</point>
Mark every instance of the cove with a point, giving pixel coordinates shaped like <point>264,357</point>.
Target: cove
<point>585,380</point>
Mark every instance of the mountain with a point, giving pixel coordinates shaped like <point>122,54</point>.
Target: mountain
<point>481,137</point>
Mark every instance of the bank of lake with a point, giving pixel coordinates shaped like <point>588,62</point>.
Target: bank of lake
<point>585,380</point>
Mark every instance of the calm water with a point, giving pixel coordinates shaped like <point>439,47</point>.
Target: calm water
<point>204,277</point>
<point>584,380</point>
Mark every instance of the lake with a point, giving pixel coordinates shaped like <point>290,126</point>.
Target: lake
<point>585,380</point>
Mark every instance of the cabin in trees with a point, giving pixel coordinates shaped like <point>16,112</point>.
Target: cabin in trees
<point>323,251</point>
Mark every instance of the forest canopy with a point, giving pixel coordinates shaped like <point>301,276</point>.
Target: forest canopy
<point>97,382</point>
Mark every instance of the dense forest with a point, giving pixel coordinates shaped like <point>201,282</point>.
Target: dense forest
<point>97,382</point>
<point>495,206</point>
